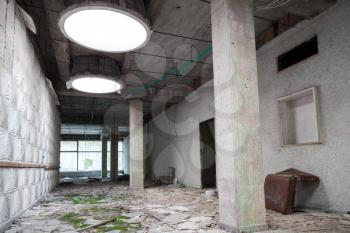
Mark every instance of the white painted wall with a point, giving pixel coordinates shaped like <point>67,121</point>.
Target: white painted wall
<point>176,136</point>
<point>29,120</point>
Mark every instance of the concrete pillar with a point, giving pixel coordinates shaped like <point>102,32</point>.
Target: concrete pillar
<point>136,144</point>
<point>237,123</point>
<point>104,157</point>
<point>114,153</point>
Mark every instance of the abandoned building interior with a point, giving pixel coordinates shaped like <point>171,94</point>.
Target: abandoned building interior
<point>175,116</point>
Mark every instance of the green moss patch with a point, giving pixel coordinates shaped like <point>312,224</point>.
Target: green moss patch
<point>120,225</point>
<point>96,209</point>
<point>74,219</point>
<point>85,199</point>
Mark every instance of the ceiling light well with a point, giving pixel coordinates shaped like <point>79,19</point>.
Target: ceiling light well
<point>106,27</point>
<point>95,75</point>
<point>95,84</point>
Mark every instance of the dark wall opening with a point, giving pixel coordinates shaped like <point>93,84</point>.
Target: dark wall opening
<point>207,151</point>
<point>298,54</point>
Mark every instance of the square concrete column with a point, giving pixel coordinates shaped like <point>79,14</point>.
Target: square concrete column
<point>114,153</point>
<point>237,123</point>
<point>136,145</point>
<point>104,157</point>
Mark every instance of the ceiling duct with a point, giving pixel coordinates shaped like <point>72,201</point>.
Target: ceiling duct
<point>95,74</point>
<point>110,26</point>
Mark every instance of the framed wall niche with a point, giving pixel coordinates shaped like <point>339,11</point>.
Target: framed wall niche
<point>300,118</point>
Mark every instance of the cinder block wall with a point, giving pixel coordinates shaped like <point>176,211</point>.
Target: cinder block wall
<point>29,120</point>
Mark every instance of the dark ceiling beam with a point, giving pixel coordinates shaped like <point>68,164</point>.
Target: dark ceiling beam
<point>268,20</point>
<point>73,93</point>
<point>81,119</point>
<point>171,58</point>
<point>88,120</point>
<point>181,36</point>
<point>73,137</point>
<point>162,73</point>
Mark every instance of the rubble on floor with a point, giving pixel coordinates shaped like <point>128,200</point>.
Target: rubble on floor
<point>106,207</point>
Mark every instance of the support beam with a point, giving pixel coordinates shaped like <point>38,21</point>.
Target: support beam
<point>237,123</point>
<point>114,154</point>
<point>136,145</point>
<point>104,157</point>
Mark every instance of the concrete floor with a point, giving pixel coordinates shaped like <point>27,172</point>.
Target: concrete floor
<point>157,209</point>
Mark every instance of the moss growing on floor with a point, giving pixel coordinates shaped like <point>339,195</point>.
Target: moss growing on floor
<point>85,199</point>
<point>119,225</point>
<point>74,220</point>
<point>96,209</point>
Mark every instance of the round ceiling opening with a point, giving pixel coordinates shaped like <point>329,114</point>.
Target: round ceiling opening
<point>96,85</point>
<point>105,28</point>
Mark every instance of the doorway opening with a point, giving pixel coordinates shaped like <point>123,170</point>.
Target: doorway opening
<point>207,153</point>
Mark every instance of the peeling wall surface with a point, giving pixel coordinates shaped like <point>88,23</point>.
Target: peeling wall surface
<point>175,133</point>
<point>29,120</point>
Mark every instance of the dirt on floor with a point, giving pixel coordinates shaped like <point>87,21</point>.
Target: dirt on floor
<point>106,207</point>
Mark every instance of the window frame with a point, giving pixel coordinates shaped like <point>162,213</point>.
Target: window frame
<point>77,151</point>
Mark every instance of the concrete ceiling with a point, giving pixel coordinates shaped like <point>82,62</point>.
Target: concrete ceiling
<point>181,31</point>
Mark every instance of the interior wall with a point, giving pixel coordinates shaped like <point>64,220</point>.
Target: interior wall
<point>29,120</point>
<point>329,72</point>
<point>176,136</point>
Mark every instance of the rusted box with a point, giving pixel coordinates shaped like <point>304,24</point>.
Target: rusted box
<point>279,193</point>
<point>300,176</point>
<point>280,189</point>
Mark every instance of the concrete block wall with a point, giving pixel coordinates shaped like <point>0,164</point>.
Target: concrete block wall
<point>176,134</point>
<point>29,120</point>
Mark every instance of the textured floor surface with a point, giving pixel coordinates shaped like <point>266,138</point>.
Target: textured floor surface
<point>104,207</point>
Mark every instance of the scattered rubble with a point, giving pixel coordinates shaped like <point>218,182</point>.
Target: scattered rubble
<point>105,207</point>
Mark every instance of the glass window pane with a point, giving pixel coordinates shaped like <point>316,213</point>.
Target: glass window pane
<point>90,145</point>
<point>120,161</point>
<point>120,146</point>
<point>108,161</point>
<point>68,146</point>
<point>108,145</point>
<point>90,161</point>
<point>68,161</point>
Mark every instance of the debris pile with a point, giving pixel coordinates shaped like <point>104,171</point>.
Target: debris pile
<point>105,207</point>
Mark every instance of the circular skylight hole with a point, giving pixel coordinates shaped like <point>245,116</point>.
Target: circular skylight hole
<point>96,85</point>
<point>105,29</point>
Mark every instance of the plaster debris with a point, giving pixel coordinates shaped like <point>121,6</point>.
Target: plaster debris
<point>176,218</point>
<point>179,208</point>
<point>106,207</point>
